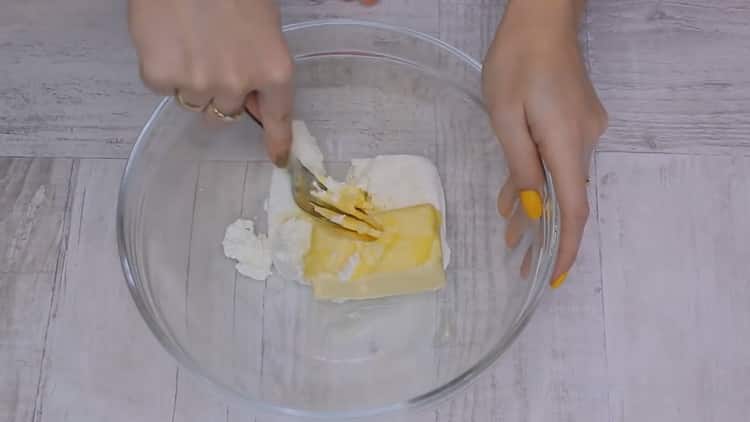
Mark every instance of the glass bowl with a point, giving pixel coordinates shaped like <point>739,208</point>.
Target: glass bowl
<point>363,89</point>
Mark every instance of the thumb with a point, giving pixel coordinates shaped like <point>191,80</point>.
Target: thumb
<point>523,159</point>
<point>275,109</point>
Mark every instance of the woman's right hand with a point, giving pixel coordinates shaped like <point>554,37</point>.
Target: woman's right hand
<point>219,56</point>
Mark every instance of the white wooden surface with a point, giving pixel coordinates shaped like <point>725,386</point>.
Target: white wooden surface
<point>652,325</point>
<point>33,198</point>
<point>677,285</point>
<point>672,74</point>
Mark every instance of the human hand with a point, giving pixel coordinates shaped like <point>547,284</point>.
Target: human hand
<point>219,57</point>
<point>543,108</point>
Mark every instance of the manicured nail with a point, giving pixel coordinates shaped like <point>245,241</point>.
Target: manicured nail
<point>559,281</point>
<point>281,160</point>
<point>532,203</point>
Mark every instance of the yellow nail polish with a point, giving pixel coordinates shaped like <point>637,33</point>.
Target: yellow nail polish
<point>532,203</point>
<point>558,281</point>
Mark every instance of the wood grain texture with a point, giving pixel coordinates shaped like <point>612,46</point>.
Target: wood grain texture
<point>24,312</point>
<point>469,25</point>
<point>224,310</point>
<point>420,15</point>
<point>676,293</point>
<point>557,367</point>
<point>33,196</point>
<point>101,362</point>
<point>69,84</point>
<point>672,74</point>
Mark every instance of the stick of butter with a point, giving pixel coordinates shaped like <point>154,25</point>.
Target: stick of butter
<point>406,258</point>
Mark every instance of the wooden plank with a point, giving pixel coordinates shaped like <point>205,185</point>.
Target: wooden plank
<point>24,312</point>
<point>224,310</point>
<point>69,85</point>
<point>420,15</point>
<point>33,194</point>
<point>210,284</point>
<point>676,292</point>
<point>470,25</point>
<point>101,362</point>
<point>673,74</point>
<point>249,297</point>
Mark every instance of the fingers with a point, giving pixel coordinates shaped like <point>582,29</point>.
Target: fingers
<point>215,57</point>
<point>275,108</point>
<point>507,198</point>
<point>192,100</point>
<point>515,229</point>
<point>252,107</point>
<point>268,99</point>
<point>567,166</point>
<point>526,262</point>
<point>227,105</point>
<point>523,160</point>
<point>156,76</point>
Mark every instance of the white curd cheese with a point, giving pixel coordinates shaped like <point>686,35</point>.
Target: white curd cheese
<point>252,252</point>
<point>399,181</point>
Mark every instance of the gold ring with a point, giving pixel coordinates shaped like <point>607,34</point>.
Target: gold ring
<point>224,117</point>
<point>186,104</point>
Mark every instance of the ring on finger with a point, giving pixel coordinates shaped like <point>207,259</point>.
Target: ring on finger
<point>187,105</point>
<point>224,117</point>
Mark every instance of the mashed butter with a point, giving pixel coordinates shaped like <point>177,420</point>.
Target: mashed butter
<point>406,258</point>
<point>403,195</point>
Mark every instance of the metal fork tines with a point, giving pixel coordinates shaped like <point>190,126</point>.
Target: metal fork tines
<point>305,183</point>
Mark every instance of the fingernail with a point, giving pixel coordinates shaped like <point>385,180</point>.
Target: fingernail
<point>281,160</point>
<point>558,281</point>
<point>532,203</point>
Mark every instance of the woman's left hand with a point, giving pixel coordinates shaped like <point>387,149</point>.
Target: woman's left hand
<point>543,109</point>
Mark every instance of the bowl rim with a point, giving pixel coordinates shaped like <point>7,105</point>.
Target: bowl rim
<point>428,399</point>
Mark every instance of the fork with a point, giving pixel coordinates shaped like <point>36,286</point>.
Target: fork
<point>304,183</point>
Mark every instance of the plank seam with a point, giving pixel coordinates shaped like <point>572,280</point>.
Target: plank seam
<point>59,273</point>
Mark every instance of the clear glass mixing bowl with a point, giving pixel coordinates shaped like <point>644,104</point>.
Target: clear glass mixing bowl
<point>363,89</point>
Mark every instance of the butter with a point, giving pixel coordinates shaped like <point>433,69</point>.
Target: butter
<point>355,202</point>
<point>405,258</point>
<point>363,225</point>
<point>341,269</point>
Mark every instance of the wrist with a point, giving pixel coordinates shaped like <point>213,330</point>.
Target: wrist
<point>558,17</point>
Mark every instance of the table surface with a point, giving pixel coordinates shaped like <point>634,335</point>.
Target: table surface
<point>653,324</point>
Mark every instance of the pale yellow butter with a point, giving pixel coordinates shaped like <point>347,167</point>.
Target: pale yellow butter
<point>406,258</point>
